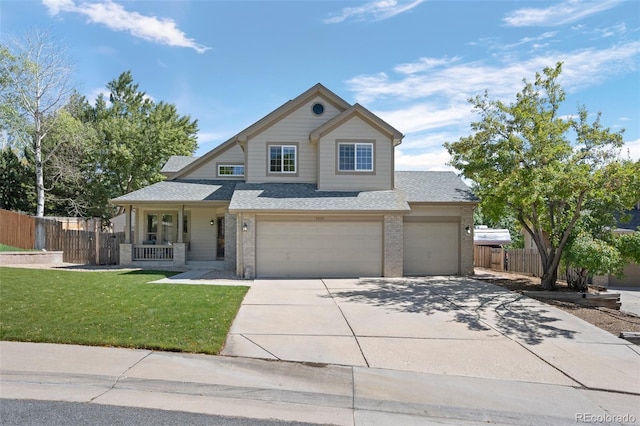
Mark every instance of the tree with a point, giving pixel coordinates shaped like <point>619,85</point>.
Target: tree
<point>137,136</point>
<point>14,181</point>
<point>69,150</point>
<point>524,164</point>
<point>36,82</point>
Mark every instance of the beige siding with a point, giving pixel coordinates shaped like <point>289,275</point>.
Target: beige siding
<point>294,128</point>
<point>631,276</point>
<point>234,155</point>
<point>203,236</point>
<point>355,130</point>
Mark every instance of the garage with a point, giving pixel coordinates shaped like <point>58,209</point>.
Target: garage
<point>319,248</point>
<point>431,248</point>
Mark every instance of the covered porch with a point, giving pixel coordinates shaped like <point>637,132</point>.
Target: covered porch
<point>179,221</point>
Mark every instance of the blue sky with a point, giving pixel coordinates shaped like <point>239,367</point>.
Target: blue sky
<point>414,63</point>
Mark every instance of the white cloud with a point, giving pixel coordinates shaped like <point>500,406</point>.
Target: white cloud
<point>632,148</point>
<point>373,11</point>
<point>115,17</point>
<point>461,81</point>
<point>434,160</point>
<point>424,64</point>
<point>558,14</point>
<point>423,116</point>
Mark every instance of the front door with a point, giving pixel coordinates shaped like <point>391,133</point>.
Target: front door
<point>220,242</point>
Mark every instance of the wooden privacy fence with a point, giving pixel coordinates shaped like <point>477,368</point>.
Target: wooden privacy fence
<point>17,230</point>
<point>521,261</point>
<point>81,247</point>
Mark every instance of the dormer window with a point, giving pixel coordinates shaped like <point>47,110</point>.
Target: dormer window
<point>355,157</point>
<point>282,158</point>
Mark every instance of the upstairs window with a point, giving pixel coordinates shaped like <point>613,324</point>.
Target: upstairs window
<point>231,170</point>
<point>282,159</point>
<point>355,157</point>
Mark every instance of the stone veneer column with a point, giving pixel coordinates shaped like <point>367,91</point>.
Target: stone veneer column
<point>466,242</point>
<point>248,245</point>
<point>126,254</point>
<point>230,240</point>
<point>393,245</point>
<point>179,254</point>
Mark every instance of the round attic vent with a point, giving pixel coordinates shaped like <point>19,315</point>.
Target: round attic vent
<point>318,109</point>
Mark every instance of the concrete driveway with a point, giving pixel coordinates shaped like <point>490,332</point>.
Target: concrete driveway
<point>441,325</point>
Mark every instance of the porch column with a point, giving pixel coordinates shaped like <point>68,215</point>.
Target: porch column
<point>180,222</point>
<point>127,225</point>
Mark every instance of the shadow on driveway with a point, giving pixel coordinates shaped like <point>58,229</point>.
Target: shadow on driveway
<point>479,305</point>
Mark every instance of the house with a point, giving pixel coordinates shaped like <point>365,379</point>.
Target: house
<point>309,190</point>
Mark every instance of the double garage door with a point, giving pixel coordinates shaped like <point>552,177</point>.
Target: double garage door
<point>312,248</point>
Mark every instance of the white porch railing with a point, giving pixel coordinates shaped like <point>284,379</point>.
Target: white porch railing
<point>152,252</point>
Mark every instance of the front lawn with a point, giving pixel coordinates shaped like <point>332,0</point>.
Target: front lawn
<point>4,247</point>
<point>115,309</point>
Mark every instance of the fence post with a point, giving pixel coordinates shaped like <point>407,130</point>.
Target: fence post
<point>40,234</point>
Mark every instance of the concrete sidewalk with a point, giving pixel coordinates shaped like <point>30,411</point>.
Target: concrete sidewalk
<point>291,391</point>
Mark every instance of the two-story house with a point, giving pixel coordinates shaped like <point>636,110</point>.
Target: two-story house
<point>310,190</point>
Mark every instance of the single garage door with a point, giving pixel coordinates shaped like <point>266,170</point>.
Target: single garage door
<point>431,248</point>
<point>318,249</point>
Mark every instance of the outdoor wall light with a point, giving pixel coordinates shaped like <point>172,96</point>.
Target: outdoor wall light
<point>245,227</point>
<point>212,222</point>
<point>468,229</point>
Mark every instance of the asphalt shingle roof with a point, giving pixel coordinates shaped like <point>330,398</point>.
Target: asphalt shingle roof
<point>434,187</point>
<point>437,187</point>
<point>306,197</point>
<point>182,190</point>
<point>177,162</point>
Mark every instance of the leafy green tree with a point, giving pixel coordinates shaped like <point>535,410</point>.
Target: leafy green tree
<point>70,172</point>
<point>137,136</point>
<point>586,256</point>
<point>524,164</point>
<point>15,181</point>
<point>35,80</point>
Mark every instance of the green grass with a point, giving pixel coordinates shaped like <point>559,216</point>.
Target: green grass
<point>115,309</point>
<point>4,247</point>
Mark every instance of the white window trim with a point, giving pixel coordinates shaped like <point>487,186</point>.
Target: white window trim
<point>355,153</point>
<point>282,171</point>
<point>233,174</point>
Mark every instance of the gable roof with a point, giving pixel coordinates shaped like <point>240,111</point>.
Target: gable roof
<point>304,197</point>
<point>268,120</point>
<point>366,115</point>
<point>290,106</point>
<point>434,187</point>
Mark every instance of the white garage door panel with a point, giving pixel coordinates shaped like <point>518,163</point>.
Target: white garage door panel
<point>431,248</point>
<point>319,249</point>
